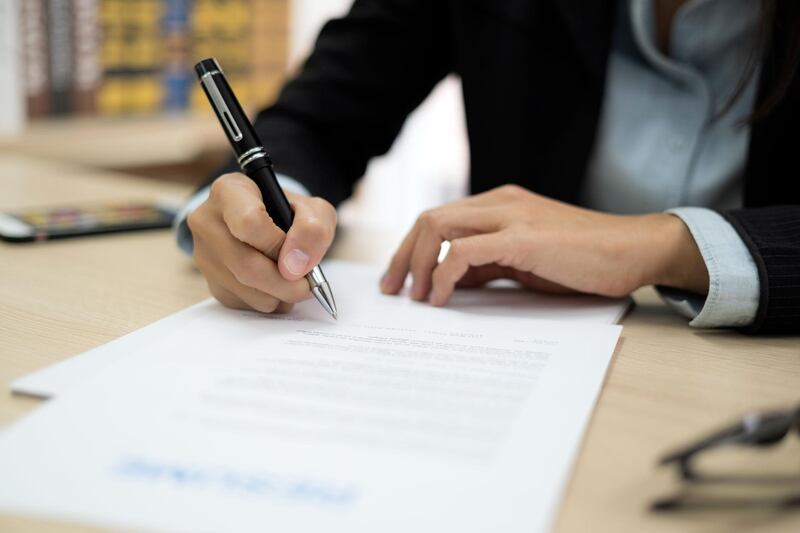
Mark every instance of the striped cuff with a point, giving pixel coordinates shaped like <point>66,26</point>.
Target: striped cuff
<point>733,290</point>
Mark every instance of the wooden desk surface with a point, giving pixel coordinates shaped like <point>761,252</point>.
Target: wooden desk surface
<point>667,383</point>
<point>120,142</point>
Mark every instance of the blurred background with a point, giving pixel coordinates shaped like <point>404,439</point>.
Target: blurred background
<point>109,84</point>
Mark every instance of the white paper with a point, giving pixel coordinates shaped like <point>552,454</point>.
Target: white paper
<point>351,282</point>
<point>386,421</point>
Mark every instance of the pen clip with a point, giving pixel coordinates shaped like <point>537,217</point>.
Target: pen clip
<point>222,108</point>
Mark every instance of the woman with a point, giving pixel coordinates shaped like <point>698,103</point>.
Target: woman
<point>674,115</point>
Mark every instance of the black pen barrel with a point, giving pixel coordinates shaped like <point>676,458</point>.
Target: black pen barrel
<point>277,205</point>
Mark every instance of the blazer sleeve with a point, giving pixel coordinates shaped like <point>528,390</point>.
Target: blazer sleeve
<point>367,72</point>
<point>772,235</point>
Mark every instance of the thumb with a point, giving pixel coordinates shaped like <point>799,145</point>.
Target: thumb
<point>309,237</point>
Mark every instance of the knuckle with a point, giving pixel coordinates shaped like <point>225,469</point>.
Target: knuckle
<point>274,244</point>
<point>456,252</point>
<point>248,223</point>
<point>252,218</point>
<point>229,177</point>
<point>222,297</point>
<point>248,270</point>
<point>195,220</point>
<point>284,308</point>
<point>512,190</point>
<point>315,230</point>
<point>218,185</point>
<point>266,305</point>
<point>320,204</point>
<point>617,288</point>
<point>329,210</point>
<point>324,209</point>
<point>199,259</point>
<point>200,219</point>
<point>298,293</point>
<point>429,218</point>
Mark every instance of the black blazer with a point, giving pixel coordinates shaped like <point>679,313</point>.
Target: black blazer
<point>533,76</point>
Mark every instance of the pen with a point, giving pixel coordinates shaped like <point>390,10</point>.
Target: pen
<point>255,163</point>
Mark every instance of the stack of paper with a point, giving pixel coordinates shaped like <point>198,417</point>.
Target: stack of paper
<point>398,417</point>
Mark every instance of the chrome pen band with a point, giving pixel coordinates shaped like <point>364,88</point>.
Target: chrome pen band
<point>321,290</point>
<point>254,154</point>
<point>250,152</point>
<point>316,277</point>
<point>210,73</point>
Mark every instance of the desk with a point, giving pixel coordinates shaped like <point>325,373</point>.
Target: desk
<point>666,385</point>
<point>120,142</point>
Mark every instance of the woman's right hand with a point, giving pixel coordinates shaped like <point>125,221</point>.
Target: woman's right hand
<point>250,263</point>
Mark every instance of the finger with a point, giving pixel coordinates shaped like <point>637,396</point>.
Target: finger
<point>309,237</point>
<point>537,283</point>
<point>252,268</point>
<point>423,260</point>
<point>229,299</point>
<point>226,297</point>
<point>223,279</point>
<point>481,275</point>
<point>498,196</point>
<point>448,223</point>
<point>284,308</point>
<point>476,250</point>
<point>244,213</point>
<point>395,276</point>
<point>257,300</point>
<point>420,249</point>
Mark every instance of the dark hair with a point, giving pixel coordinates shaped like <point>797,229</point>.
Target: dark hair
<point>777,49</point>
<point>781,26</point>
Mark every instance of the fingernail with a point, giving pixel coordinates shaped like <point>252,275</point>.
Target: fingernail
<point>386,282</point>
<point>296,262</point>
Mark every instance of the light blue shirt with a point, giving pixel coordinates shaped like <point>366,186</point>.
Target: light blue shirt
<point>661,147</point>
<point>662,144</point>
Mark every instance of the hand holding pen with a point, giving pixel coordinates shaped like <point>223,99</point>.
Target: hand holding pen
<point>247,223</point>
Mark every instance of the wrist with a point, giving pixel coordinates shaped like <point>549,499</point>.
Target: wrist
<point>676,259</point>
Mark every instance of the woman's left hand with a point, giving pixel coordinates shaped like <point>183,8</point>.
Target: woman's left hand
<point>510,232</point>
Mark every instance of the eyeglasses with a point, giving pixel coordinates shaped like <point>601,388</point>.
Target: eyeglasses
<point>757,430</point>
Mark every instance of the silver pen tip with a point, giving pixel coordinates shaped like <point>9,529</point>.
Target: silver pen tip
<point>324,296</point>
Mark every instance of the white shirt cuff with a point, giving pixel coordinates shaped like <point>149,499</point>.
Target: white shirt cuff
<point>182,233</point>
<point>733,290</point>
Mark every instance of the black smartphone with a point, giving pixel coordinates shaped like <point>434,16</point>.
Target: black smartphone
<point>61,222</point>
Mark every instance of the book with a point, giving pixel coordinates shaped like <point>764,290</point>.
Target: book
<point>33,51</point>
<point>177,72</point>
<point>60,55</point>
<point>131,56</point>
<point>86,73</point>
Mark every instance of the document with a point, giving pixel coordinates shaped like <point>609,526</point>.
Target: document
<point>388,420</point>
<point>353,282</point>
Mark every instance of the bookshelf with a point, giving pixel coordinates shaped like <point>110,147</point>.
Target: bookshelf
<point>129,57</point>
<point>110,83</point>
